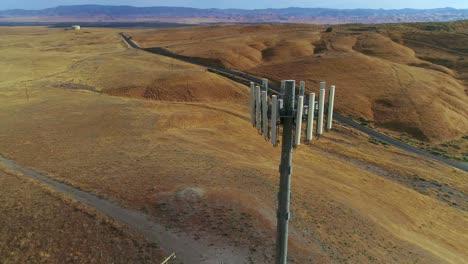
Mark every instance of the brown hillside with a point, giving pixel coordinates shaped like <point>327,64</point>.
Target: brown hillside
<point>97,60</point>
<point>42,226</point>
<point>201,169</point>
<point>380,77</point>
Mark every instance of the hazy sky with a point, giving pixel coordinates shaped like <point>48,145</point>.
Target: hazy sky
<point>247,4</point>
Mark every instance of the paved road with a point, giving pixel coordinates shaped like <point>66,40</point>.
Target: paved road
<point>275,87</point>
<point>129,41</point>
<point>397,143</point>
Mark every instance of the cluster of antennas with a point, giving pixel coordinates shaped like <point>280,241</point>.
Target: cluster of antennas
<point>268,113</point>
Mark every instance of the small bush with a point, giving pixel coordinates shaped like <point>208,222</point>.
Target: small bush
<point>376,141</point>
<point>364,122</point>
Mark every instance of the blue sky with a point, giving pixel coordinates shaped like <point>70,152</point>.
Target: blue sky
<point>247,4</point>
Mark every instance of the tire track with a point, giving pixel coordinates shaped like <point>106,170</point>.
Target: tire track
<point>69,69</point>
<point>433,46</point>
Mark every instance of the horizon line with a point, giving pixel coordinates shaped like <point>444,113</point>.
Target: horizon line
<point>253,9</point>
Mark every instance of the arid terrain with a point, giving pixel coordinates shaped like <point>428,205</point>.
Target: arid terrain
<point>174,141</point>
<point>41,226</point>
<point>386,74</point>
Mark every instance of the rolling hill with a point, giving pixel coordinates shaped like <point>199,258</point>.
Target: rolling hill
<point>197,166</point>
<point>384,74</point>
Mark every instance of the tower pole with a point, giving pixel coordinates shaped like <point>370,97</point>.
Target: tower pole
<point>284,194</point>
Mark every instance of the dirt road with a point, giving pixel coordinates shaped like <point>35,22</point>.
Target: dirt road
<point>187,249</point>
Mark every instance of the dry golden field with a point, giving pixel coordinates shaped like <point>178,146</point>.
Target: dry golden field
<point>399,77</point>
<point>191,159</point>
<point>98,61</point>
<point>41,226</point>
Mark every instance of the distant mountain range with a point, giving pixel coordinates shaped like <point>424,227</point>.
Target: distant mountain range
<point>194,15</point>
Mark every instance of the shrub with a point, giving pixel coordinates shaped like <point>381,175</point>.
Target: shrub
<point>376,141</point>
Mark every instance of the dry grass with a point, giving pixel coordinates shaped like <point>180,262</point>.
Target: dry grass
<point>85,60</point>
<point>200,162</point>
<point>381,76</point>
<point>41,226</point>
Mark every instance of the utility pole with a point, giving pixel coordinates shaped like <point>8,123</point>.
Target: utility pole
<point>284,194</point>
<point>282,110</point>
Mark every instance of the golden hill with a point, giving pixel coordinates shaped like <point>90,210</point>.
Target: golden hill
<point>69,58</point>
<point>201,168</point>
<point>380,77</point>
